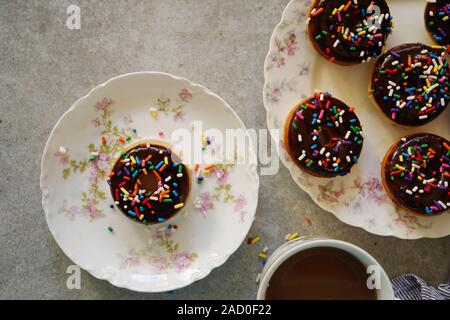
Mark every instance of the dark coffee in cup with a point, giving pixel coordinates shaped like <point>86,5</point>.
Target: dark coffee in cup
<point>320,273</point>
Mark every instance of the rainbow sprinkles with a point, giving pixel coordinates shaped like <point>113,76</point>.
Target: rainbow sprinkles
<point>410,83</point>
<point>149,184</point>
<point>417,173</point>
<point>324,136</point>
<point>349,32</point>
<point>437,20</point>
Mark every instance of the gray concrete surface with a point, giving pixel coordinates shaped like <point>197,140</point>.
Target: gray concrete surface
<point>219,43</point>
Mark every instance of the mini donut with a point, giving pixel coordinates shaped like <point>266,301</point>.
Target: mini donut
<point>323,136</point>
<point>416,173</point>
<point>149,184</point>
<point>410,84</point>
<point>349,31</point>
<point>437,21</point>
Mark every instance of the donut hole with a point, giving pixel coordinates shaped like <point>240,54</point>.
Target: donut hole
<point>327,138</point>
<point>149,182</point>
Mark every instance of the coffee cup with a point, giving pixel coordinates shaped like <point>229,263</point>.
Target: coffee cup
<point>357,273</point>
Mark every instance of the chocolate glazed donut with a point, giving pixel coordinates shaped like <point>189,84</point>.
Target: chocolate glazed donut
<point>410,84</point>
<point>416,174</point>
<point>323,136</point>
<point>437,21</point>
<point>149,184</point>
<point>351,31</point>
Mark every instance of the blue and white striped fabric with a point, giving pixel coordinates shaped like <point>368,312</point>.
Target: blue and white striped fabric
<point>411,287</point>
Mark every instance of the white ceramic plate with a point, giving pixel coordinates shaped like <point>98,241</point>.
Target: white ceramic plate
<point>76,197</point>
<point>293,70</point>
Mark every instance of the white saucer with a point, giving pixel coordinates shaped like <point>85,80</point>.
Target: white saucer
<point>76,197</point>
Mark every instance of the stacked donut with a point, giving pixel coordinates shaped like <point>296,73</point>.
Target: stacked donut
<point>409,85</point>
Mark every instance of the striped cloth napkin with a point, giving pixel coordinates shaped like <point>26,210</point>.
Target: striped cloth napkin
<point>411,287</point>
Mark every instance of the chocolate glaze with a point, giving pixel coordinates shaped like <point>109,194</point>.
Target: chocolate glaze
<point>439,29</point>
<point>419,201</point>
<point>349,49</point>
<point>159,211</point>
<point>408,84</point>
<point>324,138</point>
<point>322,273</point>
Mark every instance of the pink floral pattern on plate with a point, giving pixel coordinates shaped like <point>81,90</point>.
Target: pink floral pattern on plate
<point>98,161</point>
<point>100,156</point>
<point>172,106</point>
<point>77,201</point>
<point>222,192</point>
<point>171,257</point>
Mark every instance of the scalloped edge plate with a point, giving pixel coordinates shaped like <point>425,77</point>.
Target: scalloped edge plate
<point>76,199</point>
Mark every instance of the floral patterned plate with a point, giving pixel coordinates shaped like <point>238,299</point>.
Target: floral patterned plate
<point>293,70</point>
<point>78,206</point>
